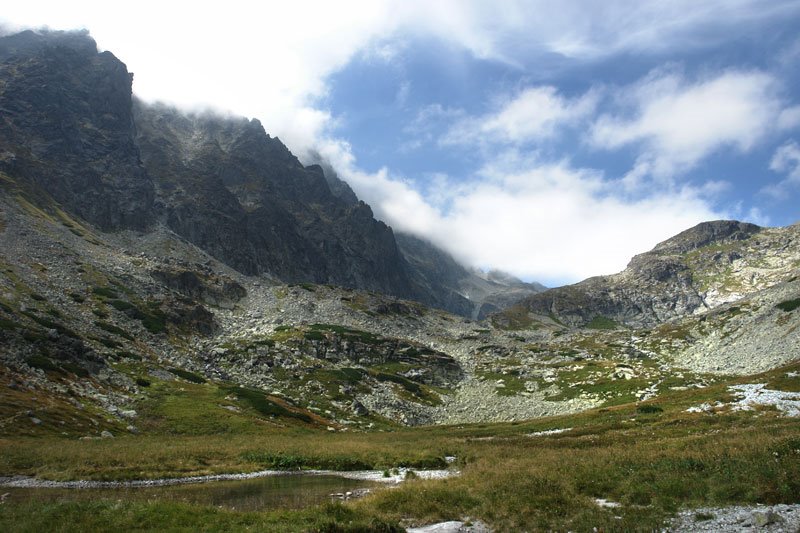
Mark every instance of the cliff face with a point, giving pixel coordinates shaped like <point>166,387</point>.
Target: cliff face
<point>231,189</point>
<point>67,128</point>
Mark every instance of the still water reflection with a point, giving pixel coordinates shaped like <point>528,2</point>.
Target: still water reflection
<point>287,492</point>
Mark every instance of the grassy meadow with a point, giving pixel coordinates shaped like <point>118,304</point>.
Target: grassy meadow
<point>652,458</point>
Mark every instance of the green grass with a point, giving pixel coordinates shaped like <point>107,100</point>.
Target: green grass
<point>602,322</point>
<point>512,384</point>
<point>105,292</point>
<point>111,515</point>
<point>789,305</point>
<point>355,334</point>
<point>111,328</point>
<point>653,458</point>
<point>188,376</point>
<point>43,363</point>
<point>258,400</point>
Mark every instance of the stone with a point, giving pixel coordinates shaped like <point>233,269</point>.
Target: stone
<point>763,519</point>
<point>106,434</point>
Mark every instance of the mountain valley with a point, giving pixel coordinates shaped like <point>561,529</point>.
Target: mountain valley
<point>180,283</point>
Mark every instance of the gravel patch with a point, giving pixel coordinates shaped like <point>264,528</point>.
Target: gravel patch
<point>752,395</point>
<point>775,518</point>
<point>453,526</point>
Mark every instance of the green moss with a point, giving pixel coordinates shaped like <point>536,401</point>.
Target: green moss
<point>111,328</point>
<point>789,305</point>
<point>105,292</point>
<point>602,322</point>
<point>188,376</point>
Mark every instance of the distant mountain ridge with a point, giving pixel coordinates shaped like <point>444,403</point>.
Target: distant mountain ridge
<point>72,134</point>
<point>474,293</point>
<point>705,266</point>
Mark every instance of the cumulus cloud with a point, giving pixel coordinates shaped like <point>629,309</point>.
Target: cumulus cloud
<point>786,160</point>
<point>678,122</point>
<point>544,221</point>
<point>535,113</point>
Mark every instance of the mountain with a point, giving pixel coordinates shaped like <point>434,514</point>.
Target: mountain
<point>697,270</point>
<point>67,128</point>
<point>146,251</point>
<point>228,187</point>
<point>73,136</point>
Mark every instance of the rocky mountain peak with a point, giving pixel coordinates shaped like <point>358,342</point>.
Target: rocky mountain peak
<point>706,233</point>
<point>68,130</point>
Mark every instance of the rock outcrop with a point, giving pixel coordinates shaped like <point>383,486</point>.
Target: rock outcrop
<point>67,129</point>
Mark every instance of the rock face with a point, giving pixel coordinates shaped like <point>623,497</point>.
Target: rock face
<point>698,269</point>
<point>228,187</point>
<point>67,129</point>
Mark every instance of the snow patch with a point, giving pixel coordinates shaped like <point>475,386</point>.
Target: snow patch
<point>751,395</point>
<point>547,432</point>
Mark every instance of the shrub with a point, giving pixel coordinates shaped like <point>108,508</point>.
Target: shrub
<point>789,305</point>
<point>602,322</point>
<point>188,376</point>
<point>105,292</point>
<point>649,409</point>
<point>43,363</point>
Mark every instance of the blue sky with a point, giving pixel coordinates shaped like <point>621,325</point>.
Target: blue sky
<point>553,140</point>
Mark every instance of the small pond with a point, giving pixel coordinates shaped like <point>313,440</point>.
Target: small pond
<point>272,492</point>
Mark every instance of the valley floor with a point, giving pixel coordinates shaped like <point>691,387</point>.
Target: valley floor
<point>654,459</point>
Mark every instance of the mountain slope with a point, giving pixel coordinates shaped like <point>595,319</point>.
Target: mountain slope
<point>231,189</point>
<point>702,267</point>
<point>72,138</point>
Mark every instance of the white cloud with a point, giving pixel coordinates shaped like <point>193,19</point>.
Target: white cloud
<point>535,113</point>
<point>789,118</point>
<point>786,160</point>
<point>542,221</point>
<point>679,123</point>
<point>676,124</point>
<point>271,60</point>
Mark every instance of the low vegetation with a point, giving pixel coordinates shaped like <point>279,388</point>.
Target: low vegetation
<point>653,458</point>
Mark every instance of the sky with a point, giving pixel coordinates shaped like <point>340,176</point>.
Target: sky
<point>553,140</point>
